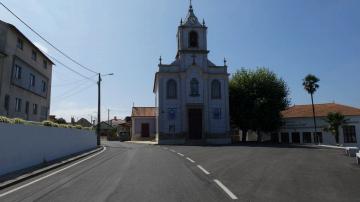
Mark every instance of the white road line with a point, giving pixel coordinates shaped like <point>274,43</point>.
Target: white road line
<point>192,161</point>
<point>180,154</point>
<point>51,174</point>
<point>165,148</point>
<point>226,190</point>
<point>203,169</point>
<point>172,150</point>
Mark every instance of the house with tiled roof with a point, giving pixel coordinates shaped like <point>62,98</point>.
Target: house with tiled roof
<point>298,125</point>
<point>143,123</point>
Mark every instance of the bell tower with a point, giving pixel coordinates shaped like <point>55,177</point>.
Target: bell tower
<point>191,35</point>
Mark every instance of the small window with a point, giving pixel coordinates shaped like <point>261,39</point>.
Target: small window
<point>194,87</point>
<point>43,86</point>
<point>7,102</point>
<point>32,80</point>
<point>45,64</point>
<point>215,89</point>
<point>18,105</point>
<point>20,44</point>
<point>18,70</point>
<point>35,108</point>
<point>193,39</point>
<point>349,134</point>
<point>34,55</point>
<point>171,89</point>
<point>217,113</point>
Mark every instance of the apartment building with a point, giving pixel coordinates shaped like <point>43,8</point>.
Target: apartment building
<point>25,76</point>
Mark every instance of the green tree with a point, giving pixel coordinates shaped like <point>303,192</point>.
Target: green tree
<point>335,120</point>
<point>310,83</point>
<point>257,98</point>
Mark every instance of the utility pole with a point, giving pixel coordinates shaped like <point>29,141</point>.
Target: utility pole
<point>99,111</point>
<point>99,107</point>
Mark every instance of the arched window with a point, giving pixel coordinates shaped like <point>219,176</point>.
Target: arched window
<point>215,89</point>
<point>193,39</point>
<point>171,89</point>
<point>194,87</point>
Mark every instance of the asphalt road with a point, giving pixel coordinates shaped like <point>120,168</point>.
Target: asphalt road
<point>133,172</point>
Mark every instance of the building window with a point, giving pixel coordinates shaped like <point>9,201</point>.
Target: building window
<point>35,108</point>
<point>172,113</point>
<point>193,39</point>
<point>32,80</point>
<point>18,105</point>
<point>27,107</point>
<point>215,89</point>
<point>171,89</point>
<point>45,64</point>
<point>194,87</point>
<point>18,70</point>
<point>20,44</point>
<point>34,55</point>
<point>217,113</point>
<point>43,86</point>
<point>307,137</point>
<point>7,102</point>
<point>349,134</point>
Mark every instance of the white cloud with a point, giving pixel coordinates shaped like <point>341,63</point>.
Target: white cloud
<point>41,47</point>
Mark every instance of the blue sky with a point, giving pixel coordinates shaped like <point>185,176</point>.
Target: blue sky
<point>292,38</point>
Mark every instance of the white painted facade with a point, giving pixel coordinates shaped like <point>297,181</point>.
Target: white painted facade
<point>136,130</point>
<point>194,75</point>
<point>23,146</point>
<point>306,125</point>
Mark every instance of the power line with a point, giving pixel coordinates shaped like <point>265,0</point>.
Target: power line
<point>73,93</point>
<point>69,68</point>
<point>43,38</point>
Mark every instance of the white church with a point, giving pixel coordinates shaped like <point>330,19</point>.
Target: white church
<point>192,98</point>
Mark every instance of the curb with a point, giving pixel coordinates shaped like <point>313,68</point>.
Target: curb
<point>38,172</point>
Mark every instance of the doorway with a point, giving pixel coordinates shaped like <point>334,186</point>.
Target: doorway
<point>195,123</point>
<point>145,130</point>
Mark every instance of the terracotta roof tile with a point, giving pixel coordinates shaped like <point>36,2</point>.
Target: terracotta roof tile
<point>321,110</point>
<point>143,111</point>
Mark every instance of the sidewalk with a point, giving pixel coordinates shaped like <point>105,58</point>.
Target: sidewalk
<point>143,142</point>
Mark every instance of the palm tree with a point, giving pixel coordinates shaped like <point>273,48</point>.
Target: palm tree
<point>310,85</point>
<point>335,120</point>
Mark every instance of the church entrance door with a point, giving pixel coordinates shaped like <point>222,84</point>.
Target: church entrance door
<point>195,124</point>
<point>145,132</point>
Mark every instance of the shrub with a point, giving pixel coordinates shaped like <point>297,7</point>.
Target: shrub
<point>18,121</point>
<point>4,119</point>
<point>50,124</point>
<point>78,127</point>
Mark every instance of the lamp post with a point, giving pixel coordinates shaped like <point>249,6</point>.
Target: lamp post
<point>99,107</point>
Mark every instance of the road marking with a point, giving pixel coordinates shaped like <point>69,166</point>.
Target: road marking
<point>165,148</point>
<point>226,190</point>
<point>203,169</point>
<point>172,150</point>
<point>51,174</point>
<point>192,161</point>
<point>180,154</point>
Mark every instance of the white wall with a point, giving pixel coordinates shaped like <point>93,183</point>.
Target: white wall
<point>22,146</point>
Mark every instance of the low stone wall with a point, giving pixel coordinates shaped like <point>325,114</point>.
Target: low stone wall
<point>23,146</point>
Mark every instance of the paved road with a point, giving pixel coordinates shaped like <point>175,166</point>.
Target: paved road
<point>132,172</point>
<point>124,172</point>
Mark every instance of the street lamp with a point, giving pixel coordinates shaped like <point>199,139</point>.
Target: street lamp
<point>99,103</point>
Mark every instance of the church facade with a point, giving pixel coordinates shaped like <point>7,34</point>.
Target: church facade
<point>192,98</point>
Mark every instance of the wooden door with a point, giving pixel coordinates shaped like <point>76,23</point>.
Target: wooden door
<point>195,123</point>
<point>145,130</point>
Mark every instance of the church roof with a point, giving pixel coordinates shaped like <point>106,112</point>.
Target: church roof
<point>321,110</point>
<point>191,19</point>
<point>143,112</point>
